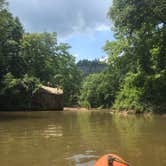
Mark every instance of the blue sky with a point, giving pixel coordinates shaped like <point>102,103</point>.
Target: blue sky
<point>83,24</point>
<point>89,46</point>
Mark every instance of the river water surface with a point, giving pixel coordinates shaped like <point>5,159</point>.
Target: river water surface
<point>73,138</point>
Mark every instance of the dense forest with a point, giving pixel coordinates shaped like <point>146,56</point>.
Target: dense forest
<point>136,77</point>
<point>133,79</point>
<point>28,60</point>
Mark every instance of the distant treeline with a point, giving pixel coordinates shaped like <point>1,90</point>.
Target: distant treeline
<point>90,67</point>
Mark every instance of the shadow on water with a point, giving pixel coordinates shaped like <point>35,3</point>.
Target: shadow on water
<point>23,115</point>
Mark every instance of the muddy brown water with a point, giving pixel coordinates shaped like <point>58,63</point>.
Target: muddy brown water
<point>73,138</point>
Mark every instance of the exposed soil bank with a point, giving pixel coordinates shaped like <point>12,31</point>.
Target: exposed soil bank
<point>75,109</point>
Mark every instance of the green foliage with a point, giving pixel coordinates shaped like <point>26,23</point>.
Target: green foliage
<point>134,79</point>
<point>26,57</point>
<point>3,4</point>
<point>89,97</point>
<point>130,95</point>
<point>118,56</point>
<point>68,77</point>
<point>38,51</point>
<point>97,91</point>
<point>137,59</point>
<point>131,16</point>
<point>11,32</point>
<point>155,91</point>
<point>142,24</point>
<point>142,92</point>
<point>18,92</point>
<point>13,85</point>
<point>51,63</point>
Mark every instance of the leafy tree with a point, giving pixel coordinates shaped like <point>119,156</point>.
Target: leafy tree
<point>142,24</point>
<point>17,93</point>
<point>130,96</point>
<point>26,58</point>
<point>137,59</point>
<point>68,76</point>
<point>37,50</point>
<point>98,90</point>
<point>11,32</point>
<point>51,63</point>
<point>3,4</point>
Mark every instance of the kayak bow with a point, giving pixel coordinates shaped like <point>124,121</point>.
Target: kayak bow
<point>111,160</point>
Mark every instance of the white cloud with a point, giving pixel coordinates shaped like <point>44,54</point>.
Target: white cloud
<point>103,28</point>
<point>66,17</point>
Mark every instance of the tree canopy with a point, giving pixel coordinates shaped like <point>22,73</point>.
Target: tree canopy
<point>135,76</point>
<point>137,59</point>
<point>33,58</point>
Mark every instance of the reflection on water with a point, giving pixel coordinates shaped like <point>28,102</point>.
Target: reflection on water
<point>79,138</point>
<point>53,131</point>
<point>83,159</point>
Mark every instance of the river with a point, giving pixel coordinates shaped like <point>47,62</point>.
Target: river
<point>73,138</point>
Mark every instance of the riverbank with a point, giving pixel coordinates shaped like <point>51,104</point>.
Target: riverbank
<point>113,111</point>
<point>75,109</point>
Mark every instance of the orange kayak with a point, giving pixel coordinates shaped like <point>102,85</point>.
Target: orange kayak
<point>111,160</point>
